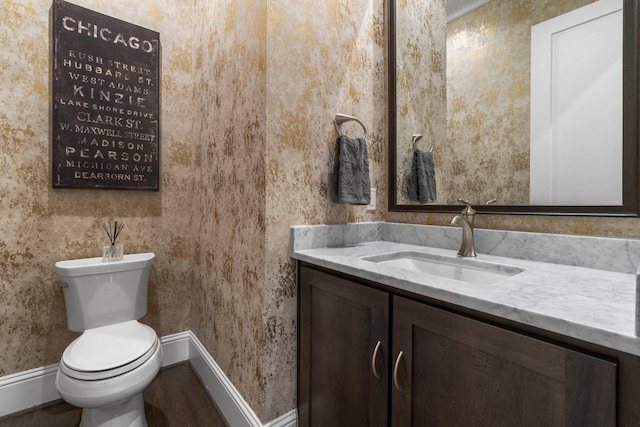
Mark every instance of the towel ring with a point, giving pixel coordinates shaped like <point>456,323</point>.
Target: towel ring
<point>417,137</point>
<point>342,118</point>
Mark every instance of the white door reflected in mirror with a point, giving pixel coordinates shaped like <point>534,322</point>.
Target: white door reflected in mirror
<point>576,107</point>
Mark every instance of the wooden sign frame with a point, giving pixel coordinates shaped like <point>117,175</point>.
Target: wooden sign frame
<point>106,102</point>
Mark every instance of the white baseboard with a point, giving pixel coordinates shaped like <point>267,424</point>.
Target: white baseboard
<point>175,348</point>
<point>28,389</point>
<point>290,419</point>
<point>36,387</point>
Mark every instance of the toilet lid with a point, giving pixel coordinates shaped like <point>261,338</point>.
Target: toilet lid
<point>109,347</point>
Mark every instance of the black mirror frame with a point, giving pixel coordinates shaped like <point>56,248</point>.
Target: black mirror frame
<point>631,117</point>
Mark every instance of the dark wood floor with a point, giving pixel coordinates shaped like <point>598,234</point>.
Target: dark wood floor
<point>175,398</point>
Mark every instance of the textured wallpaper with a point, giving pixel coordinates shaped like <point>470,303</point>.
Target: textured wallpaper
<point>249,92</point>
<point>421,86</point>
<point>267,95</point>
<point>323,58</point>
<point>40,225</point>
<point>230,207</point>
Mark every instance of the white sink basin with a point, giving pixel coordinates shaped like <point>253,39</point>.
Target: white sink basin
<point>468,270</point>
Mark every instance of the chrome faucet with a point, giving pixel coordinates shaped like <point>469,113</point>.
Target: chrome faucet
<point>466,220</point>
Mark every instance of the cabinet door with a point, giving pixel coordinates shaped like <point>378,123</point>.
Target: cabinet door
<point>342,371</point>
<point>455,371</point>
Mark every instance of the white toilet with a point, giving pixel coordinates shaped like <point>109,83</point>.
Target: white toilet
<point>105,370</point>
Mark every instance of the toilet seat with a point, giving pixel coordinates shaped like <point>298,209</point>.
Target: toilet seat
<point>109,351</point>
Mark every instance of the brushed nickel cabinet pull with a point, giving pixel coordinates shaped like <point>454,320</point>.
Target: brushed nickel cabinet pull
<point>373,361</point>
<point>395,371</point>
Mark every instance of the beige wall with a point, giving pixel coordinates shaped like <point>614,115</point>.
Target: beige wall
<point>267,93</point>
<point>40,225</point>
<point>323,58</point>
<point>249,91</point>
<point>421,88</point>
<point>230,210</point>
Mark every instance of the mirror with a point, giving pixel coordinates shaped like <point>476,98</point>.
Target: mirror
<point>500,119</point>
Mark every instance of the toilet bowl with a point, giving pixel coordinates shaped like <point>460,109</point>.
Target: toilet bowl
<point>105,370</point>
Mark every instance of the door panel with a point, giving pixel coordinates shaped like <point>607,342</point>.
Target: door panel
<point>341,323</point>
<point>457,371</point>
<point>576,107</point>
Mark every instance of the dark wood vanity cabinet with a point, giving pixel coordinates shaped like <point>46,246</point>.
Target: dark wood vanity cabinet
<point>370,358</point>
<point>457,372</point>
<point>342,370</point>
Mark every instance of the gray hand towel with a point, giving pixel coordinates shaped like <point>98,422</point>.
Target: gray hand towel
<point>422,179</point>
<point>352,166</point>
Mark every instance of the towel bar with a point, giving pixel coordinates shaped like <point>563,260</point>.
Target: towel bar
<point>342,118</point>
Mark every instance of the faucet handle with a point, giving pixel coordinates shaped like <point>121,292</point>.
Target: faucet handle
<point>492,202</point>
<point>468,210</point>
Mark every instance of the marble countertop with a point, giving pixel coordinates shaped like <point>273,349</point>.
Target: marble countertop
<point>592,305</point>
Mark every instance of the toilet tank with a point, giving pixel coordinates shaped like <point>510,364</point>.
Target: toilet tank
<point>100,293</point>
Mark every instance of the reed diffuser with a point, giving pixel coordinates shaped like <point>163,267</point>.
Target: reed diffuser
<point>112,252</point>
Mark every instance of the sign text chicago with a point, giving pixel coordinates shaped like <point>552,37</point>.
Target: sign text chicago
<point>106,102</point>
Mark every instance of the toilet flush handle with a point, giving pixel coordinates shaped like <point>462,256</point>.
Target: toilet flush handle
<point>63,285</point>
